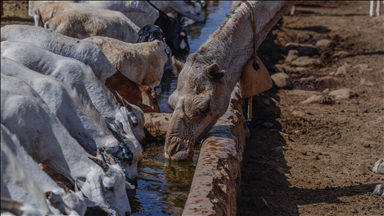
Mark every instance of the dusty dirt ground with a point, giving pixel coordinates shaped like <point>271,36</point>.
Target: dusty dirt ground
<point>313,158</point>
<point>316,158</point>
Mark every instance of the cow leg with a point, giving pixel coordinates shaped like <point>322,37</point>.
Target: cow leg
<point>371,4</point>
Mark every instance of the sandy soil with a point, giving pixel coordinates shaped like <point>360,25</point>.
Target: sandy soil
<point>314,158</point>
<point>15,12</point>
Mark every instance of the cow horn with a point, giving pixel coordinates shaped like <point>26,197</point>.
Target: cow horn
<point>127,105</point>
<point>100,162</point>
<point>116,132</point>
<point>76,187</point>
<point>98,155</point>
<point>124,102</point>
<point>111,160</point>
<point>62,185</point>
<point>121,98</point>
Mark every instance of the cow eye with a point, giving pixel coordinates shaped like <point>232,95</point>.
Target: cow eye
<point>109,188</point>
<point>204,110</point>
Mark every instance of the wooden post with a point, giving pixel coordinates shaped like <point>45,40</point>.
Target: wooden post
<point>249,111</point>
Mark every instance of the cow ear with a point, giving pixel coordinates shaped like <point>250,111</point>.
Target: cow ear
<point>213,72</point>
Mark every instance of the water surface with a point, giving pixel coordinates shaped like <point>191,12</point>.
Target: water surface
<point>163,186</point>
<point>198,33</point>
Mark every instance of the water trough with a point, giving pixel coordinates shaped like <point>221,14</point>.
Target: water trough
<point>216,178</point>
<point>217,175</point>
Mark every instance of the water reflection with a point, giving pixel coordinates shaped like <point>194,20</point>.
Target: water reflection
<point>198,33</point>
<point>163,186</point>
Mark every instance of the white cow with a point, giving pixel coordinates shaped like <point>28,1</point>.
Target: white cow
<point>62,201</point>
<point>139,12</point>
<point>142,63</point>
<point>87,52</point>
<point>80,77</point>
<point>41,134</point>
<point>190,9</point>
<point>81,120</point>
<point>84,51</point>
<point>19,186</point>
<point>80,20</point>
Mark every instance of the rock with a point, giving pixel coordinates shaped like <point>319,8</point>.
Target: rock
<point>303,49</point>
<point>378,167</point>
<point>367,145</point>
<point>327,81</point>
<point>366,82</point>
<point>342,94</point>
<point>362,68</point>
<point>297,112</point>
<point>306,61</point>
<point>326,91</point>
<point>340,54</point>
<point>282,80</point>
<point>301,69</point>
<point>292,55</point>
<point>283,68</point>
<point>319,99</point>
<point>323,43</point>
<point>302,93</point>
<point>341,70</point>
<point>312,99</point>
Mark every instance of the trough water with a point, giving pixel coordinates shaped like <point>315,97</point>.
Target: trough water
<point>163,186</point>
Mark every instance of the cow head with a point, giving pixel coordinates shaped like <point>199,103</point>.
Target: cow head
<point>67,201</point>
<point>105,185</point>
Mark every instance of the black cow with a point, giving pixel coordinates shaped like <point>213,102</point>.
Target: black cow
<point>175,35</point>
<point>152,32</point>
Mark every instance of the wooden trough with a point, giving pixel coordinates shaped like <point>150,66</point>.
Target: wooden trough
<point>217,176</point>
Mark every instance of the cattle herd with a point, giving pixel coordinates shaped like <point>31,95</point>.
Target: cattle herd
<point>74,89</point>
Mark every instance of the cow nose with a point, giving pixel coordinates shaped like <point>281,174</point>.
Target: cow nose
<point>127,214</point>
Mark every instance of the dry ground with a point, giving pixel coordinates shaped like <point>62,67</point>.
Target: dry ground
<point>316,159</point>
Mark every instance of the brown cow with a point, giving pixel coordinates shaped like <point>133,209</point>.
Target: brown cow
<point>141,95</point>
